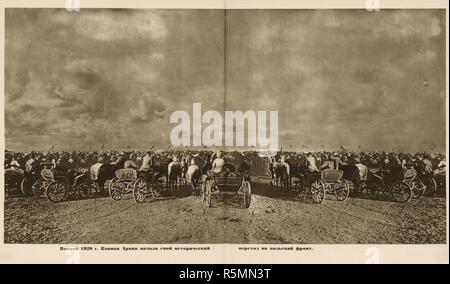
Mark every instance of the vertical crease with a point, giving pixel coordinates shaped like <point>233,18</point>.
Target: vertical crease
<point>225,56</point>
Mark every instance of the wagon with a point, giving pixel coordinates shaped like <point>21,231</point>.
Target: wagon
<point>149,184</point>
<point>329,181</point>
<point>228,182</point>
<point>56,185</point>
<point>123,183</point>
<point>400,186</point>
<point>13,178</point>
<point>141,183</point>
<point>31,176</point>
<point>412,179</point>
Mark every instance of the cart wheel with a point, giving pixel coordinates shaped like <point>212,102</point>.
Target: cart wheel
<point>140,190</point>
<point>247,192</point>
<point>317,189</point>
<point>115,189</point>
<point>342,191</point>
<point>203,191</point>
<point>207,192</point>
<point>56,191</point>
<point>25,186</point>
<point>418,188</point>
<point>401,191</point>
<point>38,188</point>
<point>83,190</point>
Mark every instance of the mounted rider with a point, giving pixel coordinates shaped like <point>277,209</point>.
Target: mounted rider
<point>285,164</point>
<point>14,164</point>
<point>147,162</point>
<point>330,163</point>
<point>441,168</point>
<point>311,165</point>
<point>172,164</point>
<point>32,164</point>
<point>218,163</point>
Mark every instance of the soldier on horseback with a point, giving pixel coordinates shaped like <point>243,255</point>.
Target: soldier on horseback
<point>218,163</point>
<point>311,163</point>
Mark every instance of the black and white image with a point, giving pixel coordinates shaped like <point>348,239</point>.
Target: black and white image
<point>212,126</point>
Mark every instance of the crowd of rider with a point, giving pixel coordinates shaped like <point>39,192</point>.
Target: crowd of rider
<point>312,161</point>
<point>389,161</point>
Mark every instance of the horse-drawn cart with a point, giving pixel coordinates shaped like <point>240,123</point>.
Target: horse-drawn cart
<point>142,184</point>
<point>13,179</point>
<point>317,184</point>
<point>228,182</point>
<point>57,185</point>
<point>401,186</point>
<point>149,184</point>
<point>122,183</point>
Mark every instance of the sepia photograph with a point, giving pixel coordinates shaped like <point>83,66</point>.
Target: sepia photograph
<point>225,126</point>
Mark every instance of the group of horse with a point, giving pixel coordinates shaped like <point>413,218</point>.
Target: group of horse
<point>360,176</point>
<point>282,176</point>
<point>173,174</point>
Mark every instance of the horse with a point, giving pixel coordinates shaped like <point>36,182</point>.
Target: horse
<point>281,175</point>
<point>161,169</point>
<point>174,171</point>
<point>193,175</point>
<point>354,173</point>
<point>100,173</point>
<point>206,168</point>
<point>184,168</point>
<point>244,167</point>
<point>272,171</point>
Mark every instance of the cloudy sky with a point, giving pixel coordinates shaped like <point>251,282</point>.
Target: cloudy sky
<point>113,77</point>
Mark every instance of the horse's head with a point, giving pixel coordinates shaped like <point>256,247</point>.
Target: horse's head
<point>120,162</point>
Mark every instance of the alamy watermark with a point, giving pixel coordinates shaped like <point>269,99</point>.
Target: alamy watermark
<point>373,255</point>
<point>211,129</point>
<point>72,5</point>
<point>373,5</point>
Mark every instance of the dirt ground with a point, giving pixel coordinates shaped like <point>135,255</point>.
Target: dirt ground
<point>272,218</point>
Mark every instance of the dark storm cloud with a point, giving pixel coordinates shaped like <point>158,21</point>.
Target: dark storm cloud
<point>337,77</point>
<point>347,77</point>
<point>103,76</point>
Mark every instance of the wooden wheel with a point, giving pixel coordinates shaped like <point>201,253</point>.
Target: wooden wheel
<point>247,193</point>
<point>38,188</point>
<point>342,190</point>
<point>25,185</point>
<point>418,188</point>
<point>140,190</point>
<point>204,192</point>
<point>401,191</point>
<point>83,190</point>
<point>208,193</point>
<point>56,191</point>
<point>317,189</point>
<point>115,189</point>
